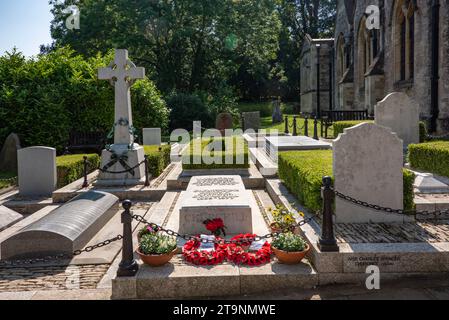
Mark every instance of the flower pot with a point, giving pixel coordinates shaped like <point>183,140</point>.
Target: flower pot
<point>156,260</point>
<point>275,227</point>
<point>290,257</point>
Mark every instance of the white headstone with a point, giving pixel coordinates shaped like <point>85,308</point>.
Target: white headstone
<point>124,154</point>
<point>368,161</point>
<point>210,197</point>
<point>400,113</point>
<point>152,136</point>
<point>37,171</point>
<point>122,73</point>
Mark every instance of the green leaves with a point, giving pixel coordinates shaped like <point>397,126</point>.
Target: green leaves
<point>289,242</point>
<point>156,243</point>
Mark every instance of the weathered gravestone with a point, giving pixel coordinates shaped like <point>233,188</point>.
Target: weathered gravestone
<point>400,113</point>
<point>65,230</point>
<point>368,167</point>
<point>210,197</point>
<point>37,171</point>
<point>277,113</point>
<point>8,154</point>
<point>223,122</point>
<point>8,217</point>
<point>152,136</point>
<point>251,121</point>
<point>120,161</point>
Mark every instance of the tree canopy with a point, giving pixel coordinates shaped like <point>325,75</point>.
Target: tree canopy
<point>251,46</point>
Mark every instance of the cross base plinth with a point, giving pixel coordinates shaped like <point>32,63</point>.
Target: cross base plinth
<point>133,158</point>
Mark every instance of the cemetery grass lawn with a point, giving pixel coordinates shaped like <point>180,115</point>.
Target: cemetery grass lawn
<point>302,173</point>
<point>5,181</point>
<point>266,123</point>
<point>236,154</point>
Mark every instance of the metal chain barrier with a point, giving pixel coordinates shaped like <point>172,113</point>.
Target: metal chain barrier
<point>443,137</point>
<point>63,256</point>
<point>187,237</point>
<point>13,179</point>
<point>435,213</point>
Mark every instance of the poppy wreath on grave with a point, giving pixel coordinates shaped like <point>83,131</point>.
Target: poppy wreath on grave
<point>193,255</point>
<point>239,256</point>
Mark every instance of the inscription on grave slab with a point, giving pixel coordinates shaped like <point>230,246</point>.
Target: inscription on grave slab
<point>203,195</point>
<point>210,197</point>
<point>385,262</point>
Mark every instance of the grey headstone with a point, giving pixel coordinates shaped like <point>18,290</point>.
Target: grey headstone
<point>277,113</point>
<point>400,113</point>
<point>37,171</point>
<point>152,136</point>
<point>8,217</point>
<point>65,230</point>
<point>368,167</point>
<point>251,120</point>
<point>8,154</point>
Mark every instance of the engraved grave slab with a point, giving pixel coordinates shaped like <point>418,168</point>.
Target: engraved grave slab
<point>210,197</point>
<point>65,230</point>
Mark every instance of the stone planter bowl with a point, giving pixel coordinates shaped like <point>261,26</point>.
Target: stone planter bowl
<point>290,257</point>
<point>156,260</point>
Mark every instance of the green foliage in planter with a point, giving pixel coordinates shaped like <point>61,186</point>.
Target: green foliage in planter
<point>340,126</point>
<point>71,167</point>
<point>158,158</point>
<point>156,243</point>
<point>431,157</point>
<point>238,153</point>
<point>409,180</point>
<point>302,173</point>
<point>289,242</point>
<point>45,98</point>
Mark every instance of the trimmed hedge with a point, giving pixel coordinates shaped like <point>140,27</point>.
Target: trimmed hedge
<point>189,156</point>
<point>158,158</point>
<point>340,126</point>
<point>302,173</point>
<point>431,157</point>
<point>71,168</point>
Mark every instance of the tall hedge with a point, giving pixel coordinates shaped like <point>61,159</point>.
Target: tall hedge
<point>302,173</point>
<point>44,98</point>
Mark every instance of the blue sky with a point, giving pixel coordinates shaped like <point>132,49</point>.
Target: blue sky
<point>24,24</point>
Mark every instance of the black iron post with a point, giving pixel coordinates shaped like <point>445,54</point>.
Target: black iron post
<point>128,266</point>
<point>295,129</point>
<point>327,242</point>
<point>147,174</point>
<point>306,126</point>
<point>86,183</point>
<point>315,129</point>
<point>286,125</point>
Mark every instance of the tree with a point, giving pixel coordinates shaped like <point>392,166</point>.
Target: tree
<point>186,45</point>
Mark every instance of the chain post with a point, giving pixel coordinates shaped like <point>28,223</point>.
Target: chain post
<point>128,266</point>
<point>327,241</point>
<point>295,129</point>
<point>306,126</point>
<point>147,173</point>
<point>315,129</point>
<point>286,125</point>
<point>85,183</point>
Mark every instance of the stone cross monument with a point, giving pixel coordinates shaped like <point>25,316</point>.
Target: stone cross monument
<point>124,154</point>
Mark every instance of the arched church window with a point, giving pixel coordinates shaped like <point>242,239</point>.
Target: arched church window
<point>404,39</point>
